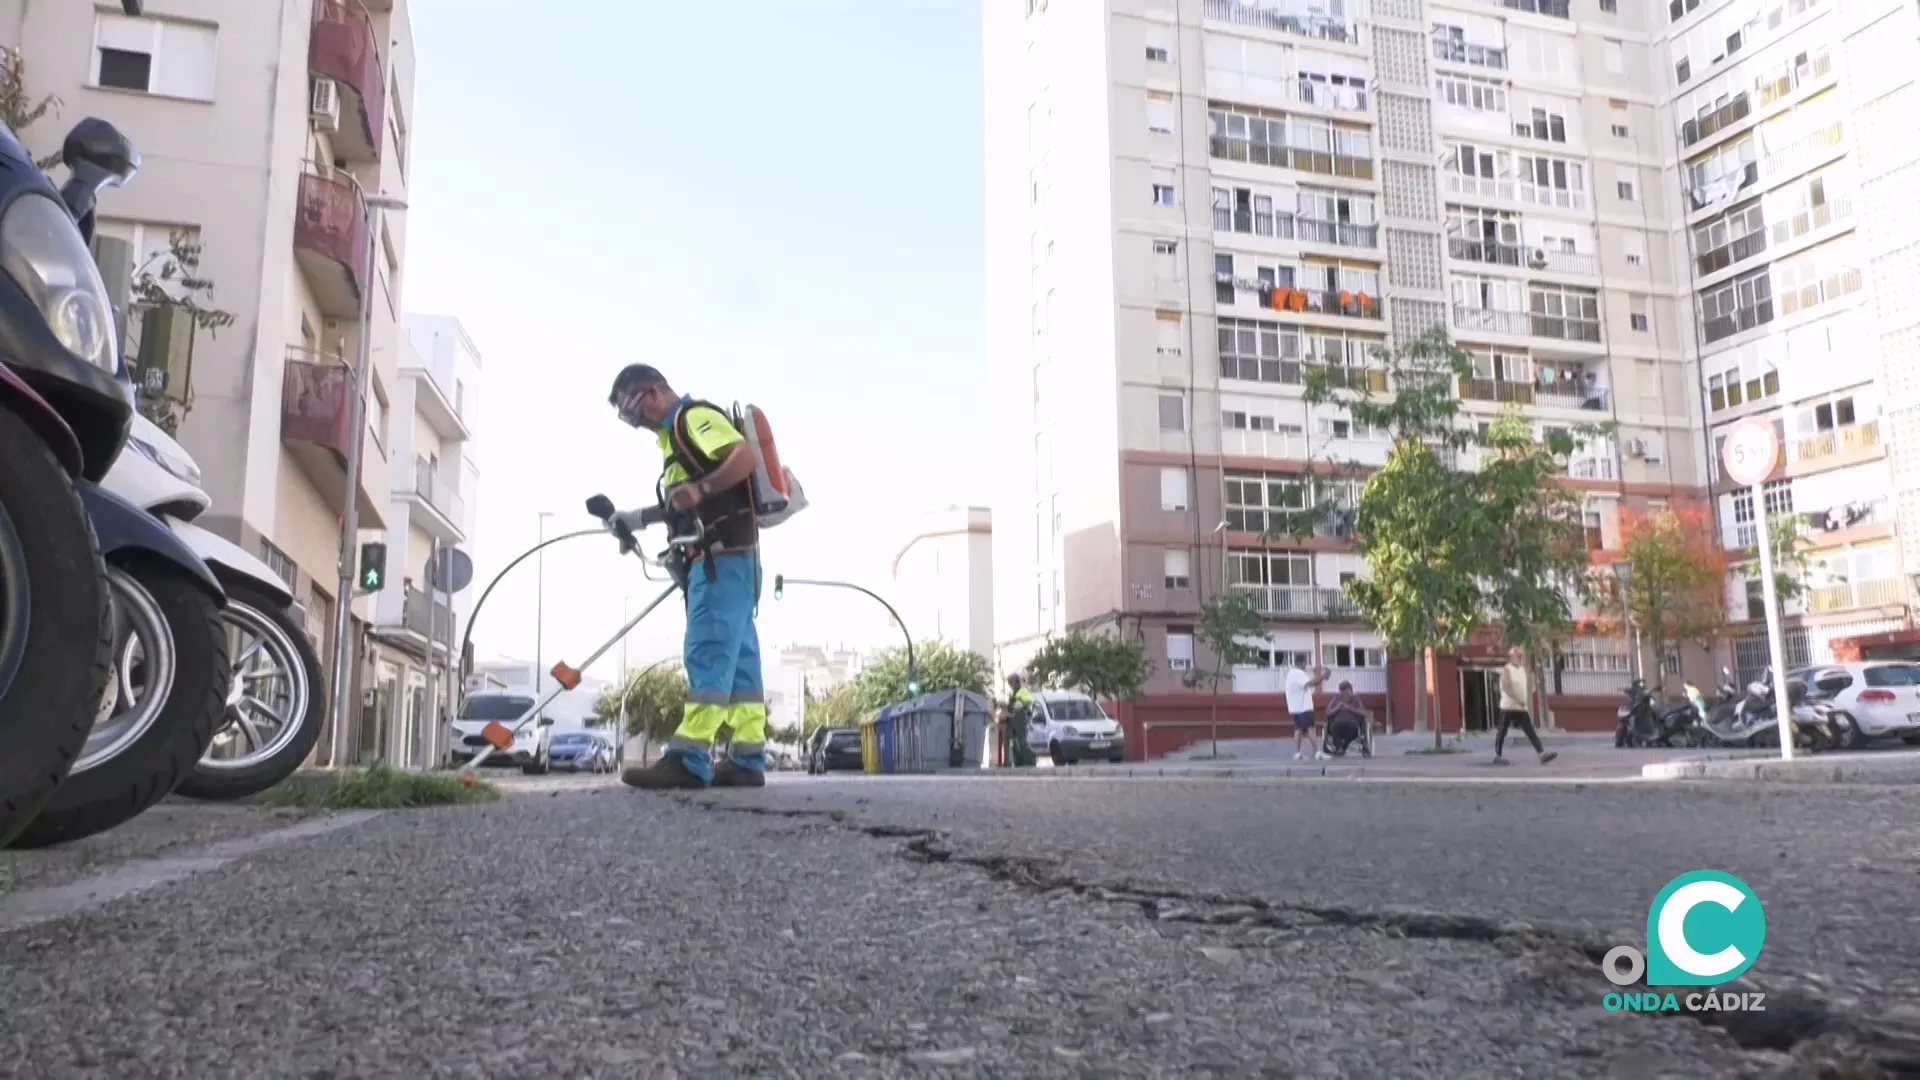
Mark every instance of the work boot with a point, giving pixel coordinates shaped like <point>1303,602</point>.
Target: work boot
<point>729,774</point>
<point>667,774</point>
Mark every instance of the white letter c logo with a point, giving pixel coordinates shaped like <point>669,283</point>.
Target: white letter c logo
<point>1673,928</point>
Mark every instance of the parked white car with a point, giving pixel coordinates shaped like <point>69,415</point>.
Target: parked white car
<point>1070,727</point>
<point>529,749</point>
<point>1879,698</point>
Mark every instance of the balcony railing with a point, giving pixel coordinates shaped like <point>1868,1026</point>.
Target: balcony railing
<point>1491,320</point>
<point>1282,225</point>
<point>1739,250</point>
<point>1725,116</point>
<point>427,617</point>
<point>1353,305</point>
<point>1558,9</point>
<point>1323,162</point>
<point>1498,253</point>
<point>1541,195</point>
<point>1725,326</point>
<point>1459,52</point>
<point>1564,328</point>
<point>1572,262</point>
<point>1525,393</point>
<point>342,48</point>
<point>1265,445</point>
<point>1265,369</point>
<point>1482,187</point>
<point>1321,27</point>
<point>1335,96</point>
<point>316,403</point>
<point>437,493</point>
<point>1838,441</point>
<point>1818,217</point>
<point>1299,601</point>
<point>1591,468</point>
<point>1854,594</point>
<point>330,239</point>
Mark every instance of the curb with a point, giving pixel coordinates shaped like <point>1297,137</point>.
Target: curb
<point>1880,768</point>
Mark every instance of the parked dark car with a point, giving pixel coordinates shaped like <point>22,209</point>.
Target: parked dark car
<point>835,750</point>
<point>581,751</point>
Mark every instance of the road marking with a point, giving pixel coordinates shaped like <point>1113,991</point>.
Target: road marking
<point>31,907</point>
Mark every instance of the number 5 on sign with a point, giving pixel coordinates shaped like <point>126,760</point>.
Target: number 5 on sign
<point>1751,452</point>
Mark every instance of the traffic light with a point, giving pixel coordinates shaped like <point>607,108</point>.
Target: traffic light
<point>373,567</point>
<point>913,687</point>
<point>779,585</point>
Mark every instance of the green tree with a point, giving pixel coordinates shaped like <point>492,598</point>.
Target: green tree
<point>654,697</point>
<point>1225,619</point>
<point>1676,579</point>
<point>19,109</point>
<point>1105,667</point>
<point>1539,565</point>
<point>1789,548</point>
<point>938,665</point>
<point>838,707</point>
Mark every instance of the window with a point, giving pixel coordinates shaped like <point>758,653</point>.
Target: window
<point>1619,131</point>
<point>1163,194</point>
<point>397,125</point>
<point>1165,247</point>
<point>1543,125</point>
<point>1156,54</point>
<point>1259,351</point>
<point>1616,58</point>
<point>1450,43</point>
<point>1264,502</point>
<point>1633,245</point>
<point>1737,305</point>
<point>1179,568</point>
<point>153,56</point>
<point>1348,657</point>
<point>1160,112</point>
<point>1468,92</point>
<point>1611,7</point>
<point>1159,45</point>
<point>1173,412</point>
<point>1551,181</point>
<point>1173,488</point>
<point>1179,648</point>
<point>1637,317</point>
<point>1623,185</point>
<point>390,271</point>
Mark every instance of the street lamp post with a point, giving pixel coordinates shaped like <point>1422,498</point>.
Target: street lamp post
<point>781,581</point>
<point>371,207</point>
<point>540,609</point>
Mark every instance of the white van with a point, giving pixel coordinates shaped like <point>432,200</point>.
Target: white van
<point>1070,727</point>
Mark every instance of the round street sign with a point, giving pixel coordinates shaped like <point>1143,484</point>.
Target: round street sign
<point>452,572</point>
<point>1751,452</point>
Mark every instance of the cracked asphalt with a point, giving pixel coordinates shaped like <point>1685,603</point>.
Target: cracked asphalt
<point>975,927</point>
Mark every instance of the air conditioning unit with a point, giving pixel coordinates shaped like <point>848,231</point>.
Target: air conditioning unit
<point>1637,448</point>
<point>324,107</point>
<point>1538,260</point>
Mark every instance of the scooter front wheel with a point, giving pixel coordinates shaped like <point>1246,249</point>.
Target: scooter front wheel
<point>56,640</point>
<point>171,677</point>
<point>275,705</point>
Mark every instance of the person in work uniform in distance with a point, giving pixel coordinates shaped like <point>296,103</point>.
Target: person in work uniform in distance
<point>1019,715</point>
<point>709,471</point>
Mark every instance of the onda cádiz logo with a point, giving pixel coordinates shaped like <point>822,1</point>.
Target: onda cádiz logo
<point>1704,929</point>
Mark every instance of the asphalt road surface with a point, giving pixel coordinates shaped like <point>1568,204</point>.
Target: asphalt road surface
<point>965,927</point>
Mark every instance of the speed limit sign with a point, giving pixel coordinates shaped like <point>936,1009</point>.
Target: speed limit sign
<point>1751,452</point>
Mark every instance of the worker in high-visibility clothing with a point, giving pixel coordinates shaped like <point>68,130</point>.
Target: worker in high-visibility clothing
<point>1019,714</point>
<point>709,470</point>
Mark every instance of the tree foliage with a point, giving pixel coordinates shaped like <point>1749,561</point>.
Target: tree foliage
<point>655,697</point>
<point>1106,667</point>
<point>1537,563</point>
<point>19,109</point>
<point>1676,578</point>
<point>838,707</point>
<point>939,665</point>
<point>1789,548</point>
<point>1225,619</point>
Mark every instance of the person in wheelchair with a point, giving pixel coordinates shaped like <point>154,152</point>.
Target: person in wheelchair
<point>1346,720</point>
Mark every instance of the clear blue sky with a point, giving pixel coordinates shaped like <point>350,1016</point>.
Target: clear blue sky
<point>769,200</point>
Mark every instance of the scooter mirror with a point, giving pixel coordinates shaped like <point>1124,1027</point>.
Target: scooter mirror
<point>97,147</point>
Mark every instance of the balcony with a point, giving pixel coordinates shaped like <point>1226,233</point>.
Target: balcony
<point>1263,445</point>
<point>343,48</point>
<point>1345,303</point>
<point>1337,233</point>
<point>1841,440</point>
<point>1555,395</point>
<point>1335,97</point>
<point>1564,328</point>
<point>1496,253</point>
<point>316,425</point>
<point>1461,52</point>
<point>1847,595</point>
<point>1483,187</point>
<point>425,619</point>
<point>330,243</point>
<point>1592,468</point>
<point>445,511</point>
<point>1318,27</point>
<point>430,400</point>
<point>1286,226</point>
<point>1491,321</point>
<point>1276,155</point>
<point>1736,251</point>
<point>1723,117</point>
<point>1744,319</point>
<point>1299,602</point>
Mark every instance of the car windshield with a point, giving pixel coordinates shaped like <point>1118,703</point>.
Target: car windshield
<point>843,738</point>
<point>1074,709</point>
<point>496,707</point>
<point>1893,675</point>
<point>573,740</point>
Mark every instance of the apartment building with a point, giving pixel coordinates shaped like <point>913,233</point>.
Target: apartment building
<point>1794,122</point>
<point>1191,201</point>
<point>432,510</point>
<point>943,578</point>
<point>260,126</point>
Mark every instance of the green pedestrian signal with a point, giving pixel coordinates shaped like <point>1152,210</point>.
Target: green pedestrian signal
<point>373,567</point>
<point>913,687</point>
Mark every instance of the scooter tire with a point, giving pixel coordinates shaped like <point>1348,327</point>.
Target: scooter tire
<point>224,784</point>
<point>47,707</point>
<point>123,787</point>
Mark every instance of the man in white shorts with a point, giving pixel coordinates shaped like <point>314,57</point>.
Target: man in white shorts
<point>1300,687</point>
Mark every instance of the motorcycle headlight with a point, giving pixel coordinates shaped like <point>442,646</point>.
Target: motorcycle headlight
<point>41,249</point>
<point>179,465</point>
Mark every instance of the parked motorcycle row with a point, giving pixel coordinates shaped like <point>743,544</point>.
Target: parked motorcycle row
<point>139,653</point>
<point>1734,718</point>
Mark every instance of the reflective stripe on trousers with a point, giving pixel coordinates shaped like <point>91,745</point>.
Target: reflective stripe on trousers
<point>723,665</point>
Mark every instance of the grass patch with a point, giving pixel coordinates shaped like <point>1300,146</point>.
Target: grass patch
<point>382,787</point>
<point>1432,751</point>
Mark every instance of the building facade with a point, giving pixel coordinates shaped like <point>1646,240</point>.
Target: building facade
<point>432,510</point>
<point>260,126</point>
<point>1191,201</point>
<point>943,578</point>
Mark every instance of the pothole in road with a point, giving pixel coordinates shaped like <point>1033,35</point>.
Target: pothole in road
<point>1827,1038</point>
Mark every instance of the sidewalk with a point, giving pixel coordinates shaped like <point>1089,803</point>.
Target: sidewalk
<point>1883,767</point>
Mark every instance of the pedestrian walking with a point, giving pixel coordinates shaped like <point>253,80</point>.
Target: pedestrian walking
<point>1516,707</point>
<point>1300,704</point>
